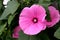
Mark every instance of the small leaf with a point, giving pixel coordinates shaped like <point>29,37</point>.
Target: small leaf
<point>11,8</point>
<point>2,28</point>
<point>11,18</point>
<point>57,33</point>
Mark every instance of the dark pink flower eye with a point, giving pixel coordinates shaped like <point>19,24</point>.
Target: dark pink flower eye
<point>35,20</point>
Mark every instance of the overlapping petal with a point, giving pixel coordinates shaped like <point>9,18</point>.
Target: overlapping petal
<point>54,15</point>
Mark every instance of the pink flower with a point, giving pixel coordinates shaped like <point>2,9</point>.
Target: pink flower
<point>16,31</point>
<point>31,20</point>
<point>59,16</point>
<point>54,15</point>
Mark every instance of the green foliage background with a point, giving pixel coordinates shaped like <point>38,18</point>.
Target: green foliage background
<point>9,20</point>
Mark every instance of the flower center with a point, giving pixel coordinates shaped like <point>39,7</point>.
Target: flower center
<point>35,20</point>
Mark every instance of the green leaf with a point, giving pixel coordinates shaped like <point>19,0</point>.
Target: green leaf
<point>0,4</point>
<point>27,37</point>
<point>11,8</point>
<point>2,27</point>
<point>11,18</point>
<point>57,33</point>
<point>40,1</point>
<point>23,36</point>
<point>34,38</point>
<point>41,36</point>
<point>44,3</point>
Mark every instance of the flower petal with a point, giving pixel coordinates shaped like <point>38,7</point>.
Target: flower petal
<point>34,29</point>
<point>15,35</point>
<point>17,29</point>
<point>54,14</point>
<point>15,32</point>
<point>39,11</point>
<point>24,22</point>
<point>26,12</point>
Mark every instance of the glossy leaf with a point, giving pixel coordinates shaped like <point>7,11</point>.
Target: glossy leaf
<point>11,8</point>
<point>57,33</point>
